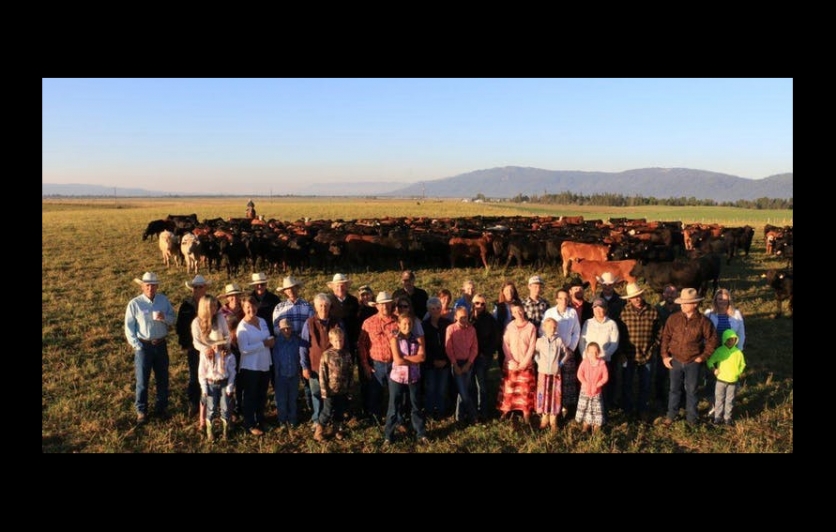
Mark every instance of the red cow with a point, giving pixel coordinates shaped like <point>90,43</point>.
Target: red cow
<point>570,250</point>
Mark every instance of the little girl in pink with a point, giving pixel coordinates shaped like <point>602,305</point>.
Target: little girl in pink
<point>593,375</point>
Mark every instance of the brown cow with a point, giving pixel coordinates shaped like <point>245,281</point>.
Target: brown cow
<point>570,250</point>
<point>590,270</point>
<point>471,248</point>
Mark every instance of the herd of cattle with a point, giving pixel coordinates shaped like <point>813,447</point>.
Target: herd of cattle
<point>660,253</point>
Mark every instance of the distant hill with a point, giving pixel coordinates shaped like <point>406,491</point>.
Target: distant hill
<point>508,181</point>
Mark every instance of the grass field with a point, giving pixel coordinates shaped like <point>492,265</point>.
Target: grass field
<point>92,249</point>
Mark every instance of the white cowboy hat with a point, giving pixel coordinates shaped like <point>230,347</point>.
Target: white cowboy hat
<point>197,281</point>
<point>688,295</point>
<point>339,278</point>
<point>289,282</point>
<point>147,278</point>
<point>231,290</point>
<point>608,278</point>
<point>632,291</point>
<point>383,297</point>
<point>259,278</point>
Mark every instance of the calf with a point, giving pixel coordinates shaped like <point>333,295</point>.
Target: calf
<point>590,270</point>
<point>781,282</point>
<point>189,247</point>
<point>570,250</point>
<point>471,248</point>
<point>168,247</point>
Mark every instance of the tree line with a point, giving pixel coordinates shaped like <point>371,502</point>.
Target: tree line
<point>619,200</point>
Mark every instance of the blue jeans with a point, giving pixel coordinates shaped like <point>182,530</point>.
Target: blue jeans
<point>661,384</point>
<point>287,392</point>
<point>378,382</point>
<point>254,396</point>
<point>151,357</point>
<point>217,398</point>
<point>687,375</point>
<point>333,411</point>
<point>316,397</point>
<point>398,394</point>
<point>465,409</point>
<point>479,386</point>
<point>724,399</point>
<point>436,382</point>
<point>627,386</point>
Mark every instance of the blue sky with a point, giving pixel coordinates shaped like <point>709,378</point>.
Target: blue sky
<point>265,136</point>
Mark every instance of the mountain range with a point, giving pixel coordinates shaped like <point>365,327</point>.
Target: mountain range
<point>510,181</point>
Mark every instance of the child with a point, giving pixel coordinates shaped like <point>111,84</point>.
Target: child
<point>216,366</point>
<point>405,377</point>
<point>549,354</point>
<point>286,372</point>
<point>727,364</point>
<point>335,372</point>
<point>593,375</point>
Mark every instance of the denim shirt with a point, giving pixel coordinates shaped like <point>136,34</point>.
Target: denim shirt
<point>285,355</point>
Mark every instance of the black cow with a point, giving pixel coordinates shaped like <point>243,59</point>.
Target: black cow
<point>781,282</point>
<point>155,227</point>
<point>682,273</point>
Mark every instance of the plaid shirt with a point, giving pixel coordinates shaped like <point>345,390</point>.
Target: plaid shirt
<point>374,343</point>
<point>640,334</point>
<point>296,313</point>
<point>535,310</point>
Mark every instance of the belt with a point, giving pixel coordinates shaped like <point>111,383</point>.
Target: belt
<point>157,341</point>
<point>221,382</point>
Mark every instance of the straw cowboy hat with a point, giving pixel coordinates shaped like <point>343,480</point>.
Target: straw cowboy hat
<point>231,290</point>
<point>147,278</point>
<point>688,295</point>
<point>289,282</point>
<point>339,278</point>
<point>608,278</point>
<point>259,278</point>
<point>383,297</point>
<point>632,291</point>
<point>197,281</point>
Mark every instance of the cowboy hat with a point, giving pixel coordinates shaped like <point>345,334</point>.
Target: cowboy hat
<point>339,278</point>
<point>575,281</point>
<point>259,278</point>
<point>608,278</point>
<point>633,290</point>
<point>688,295</point>
<point>197,281</point>
<point>383,297</point>
<point>147,278</point>
<point>289,282</point>
<point>231,290</point>
<point>365,289</point>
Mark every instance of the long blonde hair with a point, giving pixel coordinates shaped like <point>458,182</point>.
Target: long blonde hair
<point>727,293</point>
<point>207,317</point>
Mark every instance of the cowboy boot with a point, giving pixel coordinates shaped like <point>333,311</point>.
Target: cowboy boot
<point>318,433</point>
<point>210,435</point>
<point>225,435</point>
<point>553,423</point>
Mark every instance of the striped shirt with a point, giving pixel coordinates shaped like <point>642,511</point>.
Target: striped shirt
<point>297,313</point>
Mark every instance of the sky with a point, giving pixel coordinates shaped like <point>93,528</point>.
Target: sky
<point>266,136</point>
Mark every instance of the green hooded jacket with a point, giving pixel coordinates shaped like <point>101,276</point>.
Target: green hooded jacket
<point>729,360</point>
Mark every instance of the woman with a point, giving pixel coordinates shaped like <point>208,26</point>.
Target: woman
<point>724,316</point>
<point>603,330</point>
<point>234,313</point>
<point>569,329</point>
<point>445,298</point>
<point>436,370</point>
<point>516,392</point>
<point>502,311</point>
<point>216,369</point>
<point>255,343</point>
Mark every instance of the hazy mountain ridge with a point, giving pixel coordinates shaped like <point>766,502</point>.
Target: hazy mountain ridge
<point>508,181</point>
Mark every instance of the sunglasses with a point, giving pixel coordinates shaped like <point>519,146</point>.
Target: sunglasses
<point>478,304</point>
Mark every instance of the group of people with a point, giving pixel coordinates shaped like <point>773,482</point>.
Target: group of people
<point>417,356</point>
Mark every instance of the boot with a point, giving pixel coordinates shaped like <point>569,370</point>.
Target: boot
<point>210,435</point>
<point>225,435</point>
<point>338,433</point>
<point>553,423</point>
<point>544,421</point>
<point>318,433</point>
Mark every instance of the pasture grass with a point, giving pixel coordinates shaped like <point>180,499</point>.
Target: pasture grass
<point>92,249</point>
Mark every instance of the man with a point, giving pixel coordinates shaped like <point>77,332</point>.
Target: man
<point>488,341</point>
<point>665,307</point>
<point>267,300</point>
<point>583,308</point>
<point>185,315</point>
<point>147,319</point>
<point>314,342</point>
<point>614,302</point>
<point>417,295</point>
<point>346,307</point>
<point>376,352</point>
<point>296,311</point>
<point>638,343</point>
<point>688,339</point>
<point>534,305</point>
